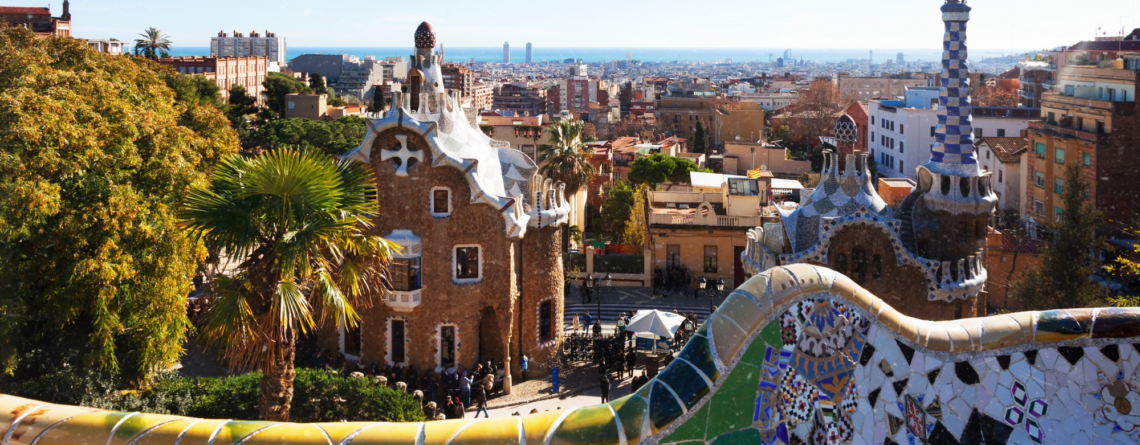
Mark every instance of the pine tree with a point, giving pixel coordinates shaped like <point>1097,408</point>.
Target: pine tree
<point>700,141</point>
<point>1063,281</point>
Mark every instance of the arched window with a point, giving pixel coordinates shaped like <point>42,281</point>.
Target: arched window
<point>545,327</point>
<point>859,264</point>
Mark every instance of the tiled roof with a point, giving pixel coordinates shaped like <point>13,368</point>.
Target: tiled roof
<point>21,10</point>
<point>1008,150</point>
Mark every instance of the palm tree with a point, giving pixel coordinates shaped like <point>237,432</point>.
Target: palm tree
<point>152,44</point>
<point>295,220</point>
<point>566,158</point>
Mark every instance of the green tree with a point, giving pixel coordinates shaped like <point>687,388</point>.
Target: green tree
<point>277,85</point>
<point>1063,281</point>
<point>616,207</point>
<point>194,89</point>
<point>152,44</point>
<point>700,141</point>
<point>296,221</point>
<point>378,101</point>
<point>566,158</point>
<point>317,83</point>
<point>335,137</point>
<point>633,234</point>
<point>658,168</point>
<point>95,154</point>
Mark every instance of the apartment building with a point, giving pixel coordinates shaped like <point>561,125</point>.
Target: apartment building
<point>521,98</point>
<point>38,20</point>
<point>1004,158</point>
<point>888,87</point>
<point>268,45</point>
<point>249,72</point>
<point>1076,122</point>
<point>902,132</point>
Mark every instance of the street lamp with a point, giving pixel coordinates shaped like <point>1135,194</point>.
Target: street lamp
<point>711,291</point>
<point>607,283</point>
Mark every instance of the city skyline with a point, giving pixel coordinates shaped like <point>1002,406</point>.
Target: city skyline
<point>844,27</point>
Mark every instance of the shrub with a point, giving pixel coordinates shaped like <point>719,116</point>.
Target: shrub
<point>318,396</point>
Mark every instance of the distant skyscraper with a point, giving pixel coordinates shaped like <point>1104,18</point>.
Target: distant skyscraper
<point>901,59</point>
<point>506,52</point>
<point>871,62</point>
<point>780,62</point>
<point>628,57</point>
<point>529,53</point>
<point>787,54</point>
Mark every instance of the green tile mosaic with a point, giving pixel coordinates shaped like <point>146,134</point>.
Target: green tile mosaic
<point>699,353</point>
<point>631,411</point>
<point>734,403</point>
<point>693,429</point>
<point>685,381</point>
<point>663,407</point>
<point>755,353</point>
<point>593,425</point>
<point>746,437</point>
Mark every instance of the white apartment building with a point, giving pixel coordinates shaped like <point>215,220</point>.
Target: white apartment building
<point>770,101</point>
<point>268,45</point>
<point>1005,159</point>
<point>902,131</point>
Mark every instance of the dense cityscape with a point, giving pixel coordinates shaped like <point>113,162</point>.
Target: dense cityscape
<point>581,245</point>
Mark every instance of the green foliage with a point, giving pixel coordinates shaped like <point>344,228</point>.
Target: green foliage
<point>616,207</point>
<point>334,138</point>
<point>378,101</point>
<point>152,44</point>
<point>323,395</point>
<point>658,168</point>
<point>566,159</point>
<point>300,217</point>
<point>193,89</point>
<point>1063,279</point>
<point>317,83</point>
<point>277,85</point>
<point>95,153</point>
<point>700,140</point>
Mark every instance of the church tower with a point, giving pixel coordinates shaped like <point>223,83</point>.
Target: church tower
<point>946,217</point>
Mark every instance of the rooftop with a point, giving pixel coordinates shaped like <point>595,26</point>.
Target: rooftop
<point>1007,150</point>
<point>23,10</point>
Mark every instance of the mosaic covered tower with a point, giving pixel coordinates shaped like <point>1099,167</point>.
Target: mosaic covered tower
<point>946,218</point>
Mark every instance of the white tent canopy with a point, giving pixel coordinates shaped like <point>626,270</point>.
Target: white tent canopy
<point>663,324</point>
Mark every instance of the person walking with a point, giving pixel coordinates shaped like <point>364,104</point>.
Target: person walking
<point>576,324</point>
<point>525,360</point>
<point>480,396</point>
<point>460,409</point>
<point>588,320</point>
<point>604,385</point>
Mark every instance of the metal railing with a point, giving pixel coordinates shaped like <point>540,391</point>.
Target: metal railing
<point>693,220</point>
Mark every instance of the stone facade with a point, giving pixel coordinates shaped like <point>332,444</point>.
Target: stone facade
<point>479,274</point>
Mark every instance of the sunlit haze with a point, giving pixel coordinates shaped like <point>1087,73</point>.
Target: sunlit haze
<point>1003,25</point>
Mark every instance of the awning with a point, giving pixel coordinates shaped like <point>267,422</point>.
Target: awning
<point>786,184</point>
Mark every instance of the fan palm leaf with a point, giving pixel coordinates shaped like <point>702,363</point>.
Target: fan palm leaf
<point>566,158</point>
<point>296,221</point>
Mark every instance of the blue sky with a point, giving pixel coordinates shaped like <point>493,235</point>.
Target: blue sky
<point>996,24</point>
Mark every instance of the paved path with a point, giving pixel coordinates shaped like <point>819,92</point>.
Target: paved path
<point>586,398</point>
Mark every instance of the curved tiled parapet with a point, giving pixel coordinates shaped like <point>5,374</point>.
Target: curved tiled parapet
<point>798,354</point>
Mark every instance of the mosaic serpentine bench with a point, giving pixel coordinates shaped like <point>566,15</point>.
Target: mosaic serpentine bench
<point>798,354</point>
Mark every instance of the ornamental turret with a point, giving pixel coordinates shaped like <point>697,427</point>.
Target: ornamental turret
<point>425,78</point>
<point>945,219</point>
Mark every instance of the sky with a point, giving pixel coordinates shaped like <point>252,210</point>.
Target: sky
<point>995,25</point>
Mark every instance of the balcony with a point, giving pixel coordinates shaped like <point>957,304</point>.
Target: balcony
<point>669,219</point>
<point>404,301</point>
<point>1062,132</point>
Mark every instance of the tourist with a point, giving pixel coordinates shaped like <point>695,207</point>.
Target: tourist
<point>534,411</point>
<point>604,385</point>
<point>598,328</point>
<point>631,360</point>
<point>576,325</point>
<point>588,320</point>
<point>525,360</point>
<point>465,387</point>
<point>429,410</point>
<point>585,291</point>
<point>460,408</point>
<point>480,400</point>
<point>449,410</point>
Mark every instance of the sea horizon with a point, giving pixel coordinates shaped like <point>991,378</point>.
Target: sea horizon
<point>599,55</point>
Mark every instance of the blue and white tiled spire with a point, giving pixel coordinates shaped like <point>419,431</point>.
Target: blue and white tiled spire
<point>953,151</point>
